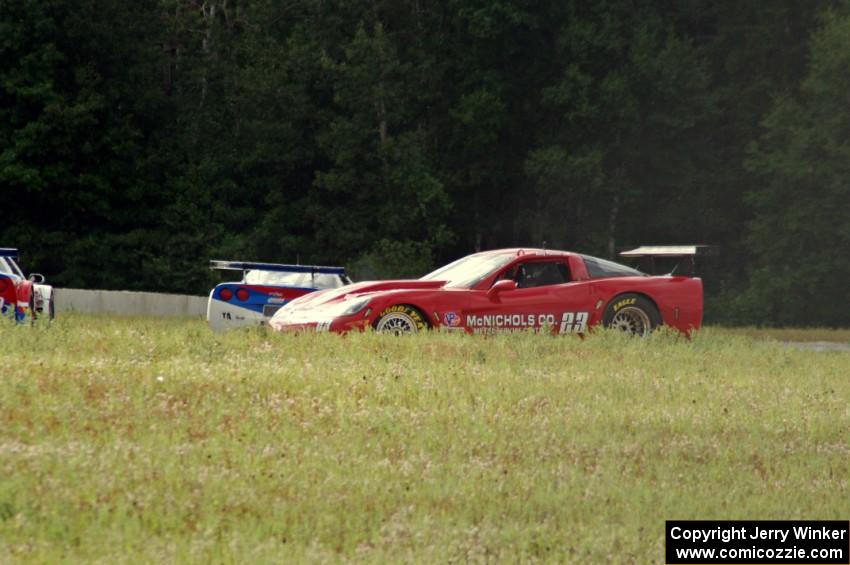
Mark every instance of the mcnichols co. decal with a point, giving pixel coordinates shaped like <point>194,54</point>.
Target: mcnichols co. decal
<point>570,322</point>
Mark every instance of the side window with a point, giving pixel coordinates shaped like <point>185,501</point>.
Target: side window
<point>600,268</point>
<point>541,273</point>
<point>509,274</point>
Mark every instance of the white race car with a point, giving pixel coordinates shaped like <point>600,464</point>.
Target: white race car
<point>264,288</point>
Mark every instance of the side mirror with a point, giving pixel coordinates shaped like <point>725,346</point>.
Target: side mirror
<point>37,278</point>
<point>500,286</point>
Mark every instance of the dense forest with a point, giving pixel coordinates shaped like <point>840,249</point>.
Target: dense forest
<point>140,139</point>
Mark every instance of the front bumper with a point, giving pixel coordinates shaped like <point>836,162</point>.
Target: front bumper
<point>294,323</point>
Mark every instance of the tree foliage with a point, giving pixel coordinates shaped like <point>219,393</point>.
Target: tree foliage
<point>800,232</point>
<point>138,140</point>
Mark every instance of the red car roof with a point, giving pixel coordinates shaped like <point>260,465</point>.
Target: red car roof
<point>520,251</point>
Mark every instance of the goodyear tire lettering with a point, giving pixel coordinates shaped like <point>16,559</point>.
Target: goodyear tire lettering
<point>410,311</point>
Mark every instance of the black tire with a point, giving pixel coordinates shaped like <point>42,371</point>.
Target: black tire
<point>401,319</point>
<point>51,309</point>
<point>632,313</point>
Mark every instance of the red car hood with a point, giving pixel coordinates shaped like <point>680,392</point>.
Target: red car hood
<point>321,297</point>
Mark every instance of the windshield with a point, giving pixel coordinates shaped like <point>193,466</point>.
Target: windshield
<point>300,280</point>
<point>9,267</point>
<point>469,271</point>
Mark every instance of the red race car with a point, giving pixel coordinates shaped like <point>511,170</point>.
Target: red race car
<point>512,290</point>
<point>16,292</point>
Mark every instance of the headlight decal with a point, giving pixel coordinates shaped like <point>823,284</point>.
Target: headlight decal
<point>354,307</point>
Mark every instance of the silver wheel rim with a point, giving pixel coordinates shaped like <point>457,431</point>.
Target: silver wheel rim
<point>632,320</point>
<point>397,323</point>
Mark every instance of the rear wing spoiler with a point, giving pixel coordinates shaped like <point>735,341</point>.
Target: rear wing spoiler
<point>276,267</point>
<point>9,252</point>
<point>686,255</point>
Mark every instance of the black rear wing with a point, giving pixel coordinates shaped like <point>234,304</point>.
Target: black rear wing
<point>683,257</point>
<point>10,252</point>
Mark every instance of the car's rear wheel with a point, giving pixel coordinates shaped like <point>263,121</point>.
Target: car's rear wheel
<point>633,314</point>
<point>400,320</point>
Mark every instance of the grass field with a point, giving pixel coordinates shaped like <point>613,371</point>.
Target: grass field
<point>148,441</point>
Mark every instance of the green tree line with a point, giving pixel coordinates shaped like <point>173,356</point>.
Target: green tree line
<point>140,139</point>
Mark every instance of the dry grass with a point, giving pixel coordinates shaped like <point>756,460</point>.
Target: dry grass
<point>145,440</point>
<point>793,334</point>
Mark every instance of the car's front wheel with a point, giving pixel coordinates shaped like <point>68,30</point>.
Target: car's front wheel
<point>632,313</point>
<point>400,320</point>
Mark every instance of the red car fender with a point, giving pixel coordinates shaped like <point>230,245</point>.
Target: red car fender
<point>678,299</point>
<point>433,303</point>
<point>379,306</point>
<point>24,293</point>
<point>8,290</point>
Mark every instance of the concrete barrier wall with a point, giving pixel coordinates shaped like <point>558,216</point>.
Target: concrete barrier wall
<point>126,303</point>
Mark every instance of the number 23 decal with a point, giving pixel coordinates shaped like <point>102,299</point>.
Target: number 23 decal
<point>573,322</point>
